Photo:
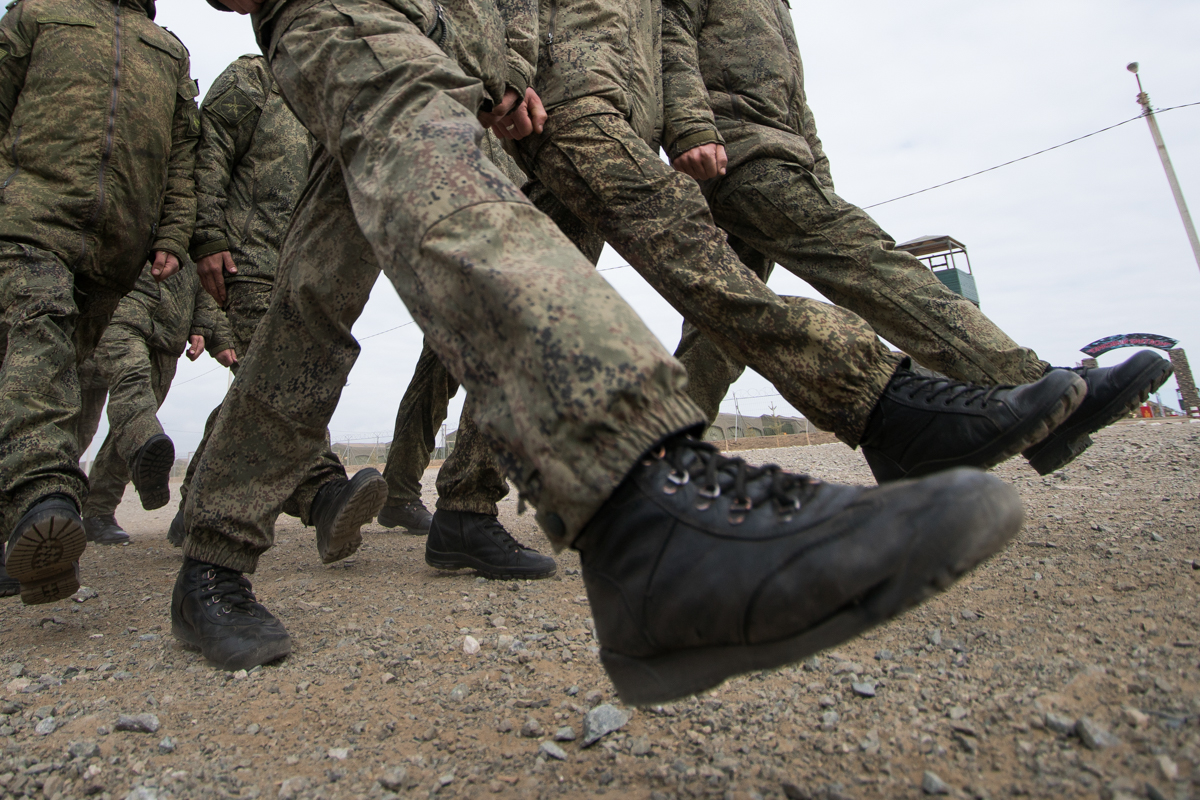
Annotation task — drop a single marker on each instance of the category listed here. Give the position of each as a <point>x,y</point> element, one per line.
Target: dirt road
<point>1069,666</point>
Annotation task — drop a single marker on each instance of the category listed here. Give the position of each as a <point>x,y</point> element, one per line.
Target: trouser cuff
<point>222,552</point>
<point>28,495</point>
<point>468,506</point>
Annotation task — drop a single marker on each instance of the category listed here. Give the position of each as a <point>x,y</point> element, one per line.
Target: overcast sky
<point>1066,248</point>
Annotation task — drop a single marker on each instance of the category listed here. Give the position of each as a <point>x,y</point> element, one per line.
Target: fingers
<point>211,270</point>
<point>165,265</point>
<point>227,358</point>
<point>227,259</point>
<point>195,348</point>
<point>537,111</point>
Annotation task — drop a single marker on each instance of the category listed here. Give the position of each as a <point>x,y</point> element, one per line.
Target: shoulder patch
<point>233,106</point>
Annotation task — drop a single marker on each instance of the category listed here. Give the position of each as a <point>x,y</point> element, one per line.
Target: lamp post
<point>1144,101</point>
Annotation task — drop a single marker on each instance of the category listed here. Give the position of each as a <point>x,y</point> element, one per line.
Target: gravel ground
<point>1069,666</point>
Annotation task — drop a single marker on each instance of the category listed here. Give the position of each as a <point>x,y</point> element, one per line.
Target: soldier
<point>251,167</point>
<point>98,127</point>
<point>737,120</point>
<point>698,567</point>
<point>136,359</point>
<point>465,532</point>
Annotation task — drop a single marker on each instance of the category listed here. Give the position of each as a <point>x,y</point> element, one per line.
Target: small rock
<point>932,784</point>
<point>46,727</point>
<point>446,779</point>
<point>394,779</point>
<point>240,675</point>
<point>253,728</point>
<point>812,664</point>
<point>292,788</point>
<point>1168,768</point>
<point>1061,725</point>
<point>142,793</point>
<point>863,689</point>
<point>387,678</point>
<point>885,655</point>
<point>593,697</point>
<point>505,725</point>
<point>829,720</point>
<point>1134,717</point>
<point>497,621</point>
<point>138,723</point>
<point>934,637</point>
<point>969,615</point>
<point>572,691</point>
<point>16,670</point>
<point>1154,537</point>
<point>1094,736</point>
<point>84,749</point>
<point>83,594</point>
<point>551,750</point>
<point>956,713</point>
<point>794,791</point>
<point>826,701</point>
<point>565,734</point>
<point>531,729</point>
<point>470,645</point>
<point>601,721</point>
<point>167,745</point>
<point>459,693</point>
<point>640,746</point>
<point>339,753</point>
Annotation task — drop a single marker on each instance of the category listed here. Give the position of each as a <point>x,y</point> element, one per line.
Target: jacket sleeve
<point>521,32</point>
<point>224,140</point>
<point>210,322</point>
<point>688,120</point>
<point>820,160</point>
<point>17,34</point>
<point>179,200</point>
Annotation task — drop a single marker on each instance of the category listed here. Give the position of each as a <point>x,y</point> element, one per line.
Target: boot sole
<point>246,659</point>
<point>152,473</point>
<point>45,559</point>
<point>973,523</point>
<point>1062,447</point>
<point>1035,429</point>
<point>346,535</point>
<point>451,561</point>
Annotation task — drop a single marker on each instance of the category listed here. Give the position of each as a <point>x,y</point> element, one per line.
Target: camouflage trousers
<point>138,378</point>
<point>247,304</point>
<point>825,360</point>
<point>49,323</point>
<point>780,210</point>
<point>570,386</point>
<point>470,479</point>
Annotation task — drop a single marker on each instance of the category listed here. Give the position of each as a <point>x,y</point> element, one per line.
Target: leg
<point>93,393</point>
<point>470,480</point>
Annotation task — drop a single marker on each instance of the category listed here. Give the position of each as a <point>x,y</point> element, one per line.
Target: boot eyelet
<point>741,504</point>
<point>711,492</point>
<point>678,478</point>
<point>737,519</point>
<point>704,505</point>
<point>670,488</point>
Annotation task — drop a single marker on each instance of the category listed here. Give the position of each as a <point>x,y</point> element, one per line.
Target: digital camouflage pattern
<point>570,385</point>
<point>98,130</point>
<point>135,361</point>
<point>732,72</point>
<point>251,167</point>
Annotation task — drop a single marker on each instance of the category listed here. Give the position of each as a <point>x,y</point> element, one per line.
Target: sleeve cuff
<point>218,245</point>
<point>693,140</point>
<point>517,79</point>
<point>171,246</point>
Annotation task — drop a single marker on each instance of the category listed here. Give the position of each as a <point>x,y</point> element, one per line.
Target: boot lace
<point>502,537</point>
<point>935,386</point>
<point>228,589</point>
<point>719,474</point>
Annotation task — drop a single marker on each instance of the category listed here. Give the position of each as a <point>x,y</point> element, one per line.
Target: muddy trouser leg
<point>48,324</point>
<point>781,210</point>
<point>570,385</point>
<point>421,414</point>
<point>824,360</point>
<point>109,474</point>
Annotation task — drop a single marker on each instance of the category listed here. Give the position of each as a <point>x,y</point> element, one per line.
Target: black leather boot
<point>926,422</point>
<point>341,508</point>
<point>213,610</point>
<point>413,517</point>
<point>178,530</point>
<point>462,540</point>
<point>104,530</point>
<point>151,471</point>
<point>9,586</point>
<point>700,567</point>
<point>1112,392</point>
<point>44,549</point>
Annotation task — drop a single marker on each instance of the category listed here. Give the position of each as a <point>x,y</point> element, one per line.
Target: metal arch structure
<point>1102,346</point>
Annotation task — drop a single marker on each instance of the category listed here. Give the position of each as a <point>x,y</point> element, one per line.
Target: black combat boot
<point>104,530</point>
<point>926,422</point>
<point>413,517</point>
<point>9,586</point>
<point>44,549</point>
<point>341,508</point>
<point>462,540</point>
<point>700,567</point>
<point>214,611</point>
<point>1112,392</point>
<point>178,530</point>
<point>151,471</point>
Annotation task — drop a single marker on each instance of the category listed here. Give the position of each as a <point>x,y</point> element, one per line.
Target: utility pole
<point>737,415</point>
<point>1144,101</point>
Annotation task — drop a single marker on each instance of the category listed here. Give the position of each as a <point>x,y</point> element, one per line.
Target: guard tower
<point>947,258</point>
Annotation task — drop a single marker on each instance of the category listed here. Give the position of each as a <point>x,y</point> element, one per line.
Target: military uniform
<point>733,75</point>
<point>98,127</point>
<point>251,166</point>
<point>570,385</point>
<point>136,360</point>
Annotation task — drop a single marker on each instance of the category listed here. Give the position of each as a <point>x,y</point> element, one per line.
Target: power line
<point>389,330</point>
<point>198,377</point>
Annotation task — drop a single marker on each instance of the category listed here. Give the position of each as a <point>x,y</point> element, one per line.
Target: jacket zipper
<point>16,163</point>
<point>550,32</point>
<point>109,131</point>
<point>437,32</point>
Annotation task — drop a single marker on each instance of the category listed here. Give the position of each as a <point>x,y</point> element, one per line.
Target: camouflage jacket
<point>469,31</point>
<point>250,169</point>
<point>167,313</point>
<point>595,55</point>
<point>732,73</point>
<point>98,131</point>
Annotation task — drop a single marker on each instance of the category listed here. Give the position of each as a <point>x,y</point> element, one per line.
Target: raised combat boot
<point>151,471</point>
<point>341,508</point>
<point>44,548</point>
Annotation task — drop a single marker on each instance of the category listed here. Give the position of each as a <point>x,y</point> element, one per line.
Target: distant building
<point>740,426</point>
<point>947,258</point>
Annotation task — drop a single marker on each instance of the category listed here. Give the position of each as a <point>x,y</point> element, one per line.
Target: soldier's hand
<point>195,347</point>
<point>704,162</point>
<point>226,358</point>
<point>243,6</point>
<point>529,116</point>
<point>211,270</point>
<point>165,265</point>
